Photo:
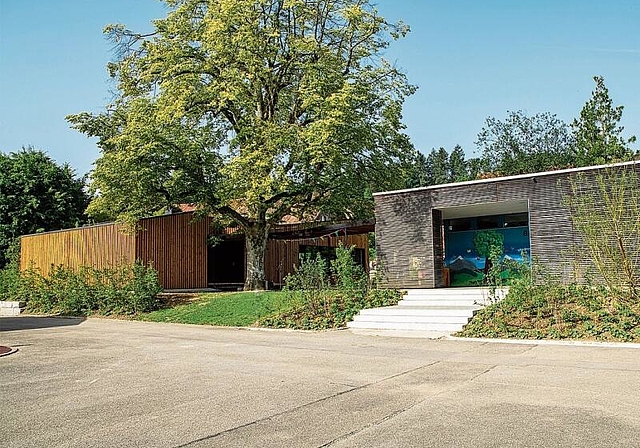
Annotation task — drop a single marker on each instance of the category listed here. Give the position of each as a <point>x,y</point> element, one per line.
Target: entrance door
<point>226,262</point>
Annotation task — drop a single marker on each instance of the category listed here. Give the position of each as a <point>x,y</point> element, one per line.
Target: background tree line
<point>522,144</point>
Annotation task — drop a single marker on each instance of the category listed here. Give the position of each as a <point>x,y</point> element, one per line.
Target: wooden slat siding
<point>404,239</point>
<point>282,255</point>
<point>176,246</point>
<point>404,226</point>
<point>98,246</point>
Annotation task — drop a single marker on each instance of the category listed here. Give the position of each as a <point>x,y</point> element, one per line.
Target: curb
<point>572,342</point>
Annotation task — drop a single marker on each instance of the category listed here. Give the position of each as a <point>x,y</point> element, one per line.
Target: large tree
<point>598,133</point>
<point>525,144</point>
<point>37,194</point>
<point>252,109</point>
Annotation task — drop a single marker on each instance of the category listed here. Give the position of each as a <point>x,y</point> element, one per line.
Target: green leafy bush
<point>559,311</point>
<point>328,300</point>
<point>121,289</point>
<point>335,309</point>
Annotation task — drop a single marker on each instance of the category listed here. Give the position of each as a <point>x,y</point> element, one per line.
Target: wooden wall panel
<point>283,255</point>
<point>404,239</point>
<point>98,246</point>
<point>176,246</point>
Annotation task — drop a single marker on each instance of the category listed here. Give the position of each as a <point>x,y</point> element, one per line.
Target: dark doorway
<point>226,263</point>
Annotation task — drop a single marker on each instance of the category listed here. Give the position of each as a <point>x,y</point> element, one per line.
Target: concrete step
<point>457,293</point>
<point>402,326</point>
<point>440,311</point>
<point>421,311</point>
<point>440,303</point>
<point>390,318</point>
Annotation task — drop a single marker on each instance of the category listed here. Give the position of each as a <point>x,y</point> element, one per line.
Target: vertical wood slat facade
<point>98,246</point>
<point>283,255</point>
<point>408,222</point>
<point>176,246</point>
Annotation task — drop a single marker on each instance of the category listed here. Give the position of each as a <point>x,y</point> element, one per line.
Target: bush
<point>328,299</point>
<point>121,289</point>
<point>10,273</point>
<point>557,311</point>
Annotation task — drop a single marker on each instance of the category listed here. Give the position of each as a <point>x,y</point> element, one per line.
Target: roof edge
<point>506,178</point>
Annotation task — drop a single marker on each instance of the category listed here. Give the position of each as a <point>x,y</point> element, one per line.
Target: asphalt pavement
<point>109,383</point>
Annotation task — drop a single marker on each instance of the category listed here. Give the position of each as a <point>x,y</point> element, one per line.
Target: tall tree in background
<point>36,194</point>
<point>597,133</point>
<point>522,144</point>
<point>439,167</point>
<point>458,165</point>
<point>417,171</point>
<point>252,109</point>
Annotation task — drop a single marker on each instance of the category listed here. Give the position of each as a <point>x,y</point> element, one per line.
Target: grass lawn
<point>233,309</point>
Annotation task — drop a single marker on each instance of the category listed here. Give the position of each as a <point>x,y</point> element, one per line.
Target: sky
<point>469,59</point>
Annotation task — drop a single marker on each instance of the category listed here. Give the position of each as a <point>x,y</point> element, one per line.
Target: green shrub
<point>347,274</point>
<point>557,311</point>
<point>10,273</point>
<point>121,289</point>
<point>324,300</point>
<point>335,309</point>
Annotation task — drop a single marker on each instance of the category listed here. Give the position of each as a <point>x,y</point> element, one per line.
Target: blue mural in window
<point>465,265</point>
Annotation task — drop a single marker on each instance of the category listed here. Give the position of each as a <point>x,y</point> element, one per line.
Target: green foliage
<point>522,144</point>
<point>458,166</point>
<point>598,133</point>
<point>36,195</point>
<point>328,300</point>
<point>439,167</point>
<point>557,311</point>
<point>488,243</point>
<point>230,309</point>
<point>10,273</point>
<point>253,110</point>
<point>607,217</point>
<point>309,275</point>
<point>334,309</point>
<point>308,281</point>
<point>348,275</point>
<point>122,289</point>
<point>373,252</point>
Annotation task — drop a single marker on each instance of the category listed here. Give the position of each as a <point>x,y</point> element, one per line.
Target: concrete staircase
<point>439,311</point>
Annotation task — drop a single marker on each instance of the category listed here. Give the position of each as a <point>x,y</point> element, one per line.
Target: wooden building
<point>181,250</point>
<point>424,236</point>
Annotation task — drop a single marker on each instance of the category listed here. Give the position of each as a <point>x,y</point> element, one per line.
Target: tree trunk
<point>255,248</point>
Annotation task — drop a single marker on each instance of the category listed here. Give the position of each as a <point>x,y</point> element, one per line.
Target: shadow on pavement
<point>33,322</point>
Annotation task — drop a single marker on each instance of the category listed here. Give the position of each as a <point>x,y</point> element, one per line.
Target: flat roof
<point>506,178</point>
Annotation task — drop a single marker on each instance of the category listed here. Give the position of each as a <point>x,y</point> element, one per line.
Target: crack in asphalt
<point>403,410</point>
<point>302,406</point>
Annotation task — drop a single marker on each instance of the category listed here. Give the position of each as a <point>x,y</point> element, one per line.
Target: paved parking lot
<point>101,383</point>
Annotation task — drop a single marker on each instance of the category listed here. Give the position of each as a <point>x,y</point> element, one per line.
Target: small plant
<point>348,275</point>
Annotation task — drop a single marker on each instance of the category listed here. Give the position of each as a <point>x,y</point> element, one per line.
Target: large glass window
<point>516,220</point>
<point>460,225</point>
<point>489,222</point>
